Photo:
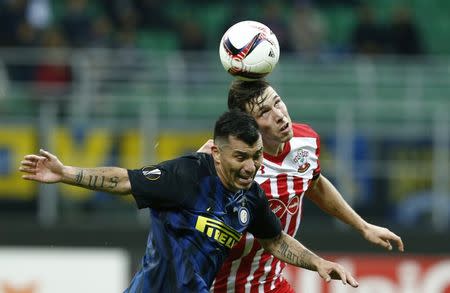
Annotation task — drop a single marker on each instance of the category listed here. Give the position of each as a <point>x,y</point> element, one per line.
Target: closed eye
<point>262,112</point>
<point>240,158</point>
<point>277,101</point>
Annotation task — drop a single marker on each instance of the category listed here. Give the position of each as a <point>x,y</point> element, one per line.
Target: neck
<point>273,149</point>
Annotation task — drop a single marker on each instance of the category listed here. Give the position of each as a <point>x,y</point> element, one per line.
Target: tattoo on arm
<point>114,181</point>
<point>79,177</point>
<point>93,181</point>
<point>99,182</point>
<point>96,181</point>
<point>301,258</point>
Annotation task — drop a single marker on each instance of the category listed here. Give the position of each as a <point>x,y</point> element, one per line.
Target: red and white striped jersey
<point>284,178</point>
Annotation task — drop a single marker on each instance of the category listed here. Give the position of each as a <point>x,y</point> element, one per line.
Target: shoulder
<point>202,162</point>
<point>193,161</point>
<point>194,158</point>
<point>304,130</point>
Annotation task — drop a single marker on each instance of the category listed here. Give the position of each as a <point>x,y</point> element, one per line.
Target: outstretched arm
<point>328,198</point>
<point>289,250</point>
<point>47,168</point>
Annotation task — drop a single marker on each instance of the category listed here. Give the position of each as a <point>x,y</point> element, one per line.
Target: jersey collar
<point>278,159</point>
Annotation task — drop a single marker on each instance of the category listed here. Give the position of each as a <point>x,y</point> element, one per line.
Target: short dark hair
<point>244,92</point>
<point>238,124</point>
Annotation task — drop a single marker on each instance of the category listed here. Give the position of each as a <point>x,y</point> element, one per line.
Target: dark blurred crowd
<point>299,25</point>
<point>307,31</point>
<point>74,23</point>
<point>400,36</point>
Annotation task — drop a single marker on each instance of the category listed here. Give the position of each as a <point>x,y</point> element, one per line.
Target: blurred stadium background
<point>130,83</point>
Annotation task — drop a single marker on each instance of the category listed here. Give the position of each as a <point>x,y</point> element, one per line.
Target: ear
<point>215,152</point>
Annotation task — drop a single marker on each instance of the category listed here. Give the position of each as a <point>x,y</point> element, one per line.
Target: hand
<point>206,148</point>
<point>44,167</point>
<point>382,236</point>
<point>329,270</point>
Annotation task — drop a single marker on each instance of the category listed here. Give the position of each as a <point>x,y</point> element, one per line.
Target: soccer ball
<point>249,50</point>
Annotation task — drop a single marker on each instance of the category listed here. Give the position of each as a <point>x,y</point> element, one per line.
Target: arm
<point>327,197</point>
<point>291,251</point>
<point>47,168</point>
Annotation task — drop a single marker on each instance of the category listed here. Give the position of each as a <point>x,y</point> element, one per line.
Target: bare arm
<point>327,197</point>
<point>291,251</point>
<point>110,179</point>
<point>47,168</point>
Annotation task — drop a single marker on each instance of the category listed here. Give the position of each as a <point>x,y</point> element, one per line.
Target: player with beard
<point>200,205</point>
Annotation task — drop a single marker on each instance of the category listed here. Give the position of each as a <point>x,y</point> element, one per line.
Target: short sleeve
<point>317,171</point>
<point>165,185</point>
<point>265,223</point>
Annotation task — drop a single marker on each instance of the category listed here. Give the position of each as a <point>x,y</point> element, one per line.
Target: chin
<point>246,186</point>
<point>287,137</point>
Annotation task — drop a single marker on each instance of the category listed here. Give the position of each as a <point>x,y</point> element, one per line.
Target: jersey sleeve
<point>165,185</point>
<point>265,223</point>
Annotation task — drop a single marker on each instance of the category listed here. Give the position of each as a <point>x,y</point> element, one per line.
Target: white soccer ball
<point>249,50</point>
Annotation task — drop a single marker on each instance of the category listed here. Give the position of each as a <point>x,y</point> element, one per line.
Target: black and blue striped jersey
<point>194,221</point>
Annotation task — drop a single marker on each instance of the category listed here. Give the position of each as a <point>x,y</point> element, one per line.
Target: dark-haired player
<point>200,205</point>
<point>289,172</point>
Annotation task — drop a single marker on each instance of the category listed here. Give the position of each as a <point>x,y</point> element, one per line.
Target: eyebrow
<point>262,108</point>
<point>237,151</point>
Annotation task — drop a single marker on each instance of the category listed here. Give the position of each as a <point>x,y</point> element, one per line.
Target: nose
<point>249,167</point>
<point>278,115</point>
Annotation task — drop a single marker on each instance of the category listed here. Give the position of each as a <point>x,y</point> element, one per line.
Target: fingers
<point>325,276</point>
<point>28,177</point>
<point>45,154</point>
<point>399,242</point>
<point>32,158</point>
<point>26,169</point>
<point>347,278</point>
<point>390,236</point>
<point>386,244</point>
<point>352,281</point>
<point>339,273</point>
<point>343,275</point>
<point>30,164</point>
